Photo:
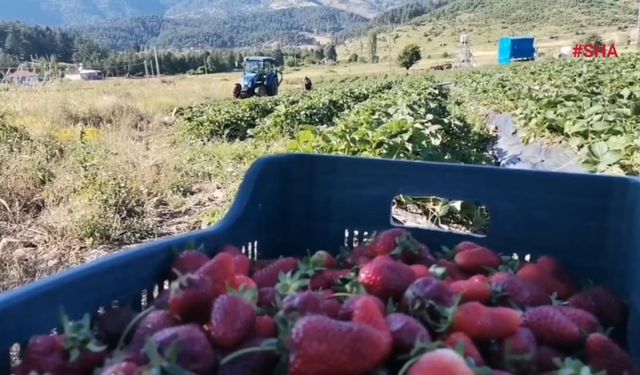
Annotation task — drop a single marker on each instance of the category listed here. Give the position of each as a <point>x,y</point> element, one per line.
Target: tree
<point>409,56</point>
<point>353,57</point>
<point>373,45</point>
<point>330,52</point>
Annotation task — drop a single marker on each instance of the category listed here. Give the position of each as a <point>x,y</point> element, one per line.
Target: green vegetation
<point>591,106</point>
<point>409,55</point>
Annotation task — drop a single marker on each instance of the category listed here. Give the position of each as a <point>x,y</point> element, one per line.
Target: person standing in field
<point>307,84</point>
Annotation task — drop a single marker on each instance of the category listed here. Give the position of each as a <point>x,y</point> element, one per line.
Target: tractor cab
<point>261,78</point>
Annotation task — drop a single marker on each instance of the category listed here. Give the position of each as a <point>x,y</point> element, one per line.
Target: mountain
<point>74,12</point>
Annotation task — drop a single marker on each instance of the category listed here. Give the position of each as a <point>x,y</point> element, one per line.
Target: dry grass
<point>86,168</point>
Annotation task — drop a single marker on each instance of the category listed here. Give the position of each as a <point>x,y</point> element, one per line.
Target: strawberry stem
<point>268,346</point>
<point>130,326</point>
<point>408,365</point>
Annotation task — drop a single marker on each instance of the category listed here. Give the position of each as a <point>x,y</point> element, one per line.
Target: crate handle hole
<point>441,214</point>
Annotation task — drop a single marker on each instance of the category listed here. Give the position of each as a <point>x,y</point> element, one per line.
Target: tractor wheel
<point>261,91</point>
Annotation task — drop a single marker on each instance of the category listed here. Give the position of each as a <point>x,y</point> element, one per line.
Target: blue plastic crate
<point>290,203</point>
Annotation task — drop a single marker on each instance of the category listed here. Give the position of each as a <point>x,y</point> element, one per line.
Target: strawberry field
<point>593,107</point>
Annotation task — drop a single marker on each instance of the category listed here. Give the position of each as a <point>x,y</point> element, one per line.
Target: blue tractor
<point>261,78</point>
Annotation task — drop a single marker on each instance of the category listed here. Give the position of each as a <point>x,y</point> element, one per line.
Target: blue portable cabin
<point>516,49</point>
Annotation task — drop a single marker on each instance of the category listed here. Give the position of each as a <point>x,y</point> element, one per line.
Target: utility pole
<point>151,65</point>
<point>157,64</point>
<point>146,69</point>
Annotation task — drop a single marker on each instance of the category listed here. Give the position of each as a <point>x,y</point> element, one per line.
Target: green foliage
<point>590,106</point>
<point>409,55</point>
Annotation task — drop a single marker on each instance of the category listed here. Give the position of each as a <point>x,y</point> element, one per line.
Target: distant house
<point>22,77</point>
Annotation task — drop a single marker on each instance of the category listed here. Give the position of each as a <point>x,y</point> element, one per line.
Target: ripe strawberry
<point>385,242</point>
<point>187,262</point>
<point>232,320</point>
<point>221,271</point>
<point>602,303</point>
<point>331,308</point>
<point>46,354</point>
<point>551,275</point>
<point>346,311</point>
<point>156,321</point>
<point>457,339</point>
<point>266,326</point>
<point>267,297</point>
<point>122,368</point>
<point>257,363</point>
<point>476,259</point>
<point>320,345</point>
<point>425,299</point>
<point>191,298</point>
<point>475,289</point>
<point>194,352</point>
<point>551,327</point>
<point>241,261</point>
<point>583,319</point>
<point>327,279</point>
<point>302,304</point>
<point>268,276</point>
<point>385,278</point>
<point>420,270</point>
<point>545,359</point>
<point>517,351</point>
<point>453,271</point>
<point>406,332</point>
<point>523,293</point>
<point>324,259</point>
<point>605,354</point>
<point>241,280</point>
<point>112,324</point>
<point>484,323</point>
<point>441,362</point>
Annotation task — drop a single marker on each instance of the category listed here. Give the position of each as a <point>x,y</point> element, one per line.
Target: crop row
<point>591,106</point>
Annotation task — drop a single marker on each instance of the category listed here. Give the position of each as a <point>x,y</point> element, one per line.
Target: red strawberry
<point>302,304</point>
<point>583,319</point>
<point>549,273</point>
<point>257,363</point>
<point>221,271</point>
<point>320,345</point>
<point>602,303</point>
<point>331,308</point>
<point>122,368</point>
<point>406,332</point>
<point>475,289</point>
<point>484,323</point>
<point>603,354</point>
<point>324,259</point>
<point>112,324</point>
<point>441,362</point>
<point>232,320</point>
<point>188,262</point>
<point>453,271</point>
<point>457,339</point>
<point>518,350</point>
<point>420,270</point>
<point>545,359</point>
<point>46,354</point>
<point>268,276</point>
<point>191,298</point>
<point>266,326</point>
<point>241,280</point>
<point>156,321</point>
<point>346,311</point>
<point>425,298</point>
<point>327,279</point>
<point>194,352</point>
<point>476,259</point>
<point>551,327</point>
<point>385,278</point>
<point>267,297</point>
<point>522,292</point>
<point>385,242</point>
<point>241,261</point>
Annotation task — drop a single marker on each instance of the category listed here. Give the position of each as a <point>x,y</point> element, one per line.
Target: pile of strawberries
<point>390,306</point>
